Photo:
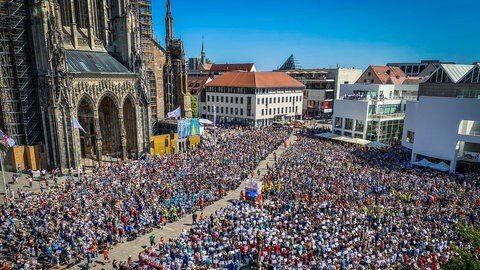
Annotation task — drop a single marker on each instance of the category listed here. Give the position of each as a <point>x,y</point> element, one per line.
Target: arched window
<point>81,13</point>
<point>99,10</point>
<point>65,12</point>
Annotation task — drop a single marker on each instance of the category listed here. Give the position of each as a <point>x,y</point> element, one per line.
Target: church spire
<point>168,26</point>
<point>203,59</point>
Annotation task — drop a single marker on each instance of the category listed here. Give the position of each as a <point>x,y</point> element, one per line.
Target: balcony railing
<point>471,133</point>
<point>388,115</point>
<point>381,98</point>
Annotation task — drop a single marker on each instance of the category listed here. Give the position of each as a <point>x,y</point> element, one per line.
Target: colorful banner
<point>182,128</point>
<point>7,139</point>
<point>194,127</point>
<point>188,127</point>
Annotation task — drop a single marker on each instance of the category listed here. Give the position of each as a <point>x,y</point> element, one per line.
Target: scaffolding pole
<point>19,103</point>
<point>146,36</point>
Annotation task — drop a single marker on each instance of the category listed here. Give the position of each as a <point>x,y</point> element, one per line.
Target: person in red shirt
<point>106,254</point>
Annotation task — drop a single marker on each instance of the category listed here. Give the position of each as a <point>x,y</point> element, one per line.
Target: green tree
<point>194,105</point>
<point>466,259</point>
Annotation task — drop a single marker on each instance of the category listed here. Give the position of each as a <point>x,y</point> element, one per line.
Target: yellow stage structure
<point>166,144</point>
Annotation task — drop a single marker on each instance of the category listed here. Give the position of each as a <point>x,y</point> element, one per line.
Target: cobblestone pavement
<point>121,251</point>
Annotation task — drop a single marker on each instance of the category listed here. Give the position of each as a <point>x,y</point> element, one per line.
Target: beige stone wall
<point>158,62</point>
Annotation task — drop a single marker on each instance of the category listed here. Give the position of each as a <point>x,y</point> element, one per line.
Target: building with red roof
<point>382,75</point>
<point>252,98</point>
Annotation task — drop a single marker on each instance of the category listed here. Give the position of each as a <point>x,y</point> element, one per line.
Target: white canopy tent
<point>377,144</point>
<point>423,163</point>
<point>205,122</point>
<point>329,135</point>
<point>441,166</point>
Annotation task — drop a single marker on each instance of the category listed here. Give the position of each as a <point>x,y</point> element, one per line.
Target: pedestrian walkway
<point>122,251</point>
<point>22,183</point>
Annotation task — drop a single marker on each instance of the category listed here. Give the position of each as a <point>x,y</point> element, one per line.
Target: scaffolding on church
<point>18,100</point>
<point>146,36</point>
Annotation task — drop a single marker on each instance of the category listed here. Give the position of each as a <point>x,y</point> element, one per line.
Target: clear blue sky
<point>325,33</point>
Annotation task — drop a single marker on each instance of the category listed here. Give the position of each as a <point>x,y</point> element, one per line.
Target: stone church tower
<point>89,66</point>
<point>175,73</point>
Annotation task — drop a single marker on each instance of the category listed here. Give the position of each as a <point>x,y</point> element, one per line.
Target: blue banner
<point>194,126</point>
<point>188,127</point>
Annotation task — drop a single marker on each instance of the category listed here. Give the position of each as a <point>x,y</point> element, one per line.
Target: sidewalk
<point>120,252</point>
<point>22,183</point>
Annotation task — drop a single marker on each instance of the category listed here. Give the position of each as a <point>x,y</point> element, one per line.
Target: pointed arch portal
<point>109,127</point>
<point>130,123</point>
<point>87,138</point>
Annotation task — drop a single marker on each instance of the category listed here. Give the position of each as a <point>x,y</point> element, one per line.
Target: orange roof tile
<point>256,80</point>
<point>385,73</point>
<point>232,67</point>
<point>196,84</point>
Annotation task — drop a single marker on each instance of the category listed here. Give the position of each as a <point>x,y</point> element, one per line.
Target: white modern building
<point>345,76</point>
<point>373,112</point>
<point>252,98</point>
<point>444,123</point>
<point>321,85</point>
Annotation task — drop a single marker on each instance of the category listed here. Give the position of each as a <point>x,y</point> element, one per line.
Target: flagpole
<point>74,140</point>
<point>3,153</point>
<point>3,174</point>
<point>214,124</point>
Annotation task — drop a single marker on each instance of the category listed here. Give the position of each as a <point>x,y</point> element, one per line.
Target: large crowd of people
<point>84,217</point>
<point>331,205</point>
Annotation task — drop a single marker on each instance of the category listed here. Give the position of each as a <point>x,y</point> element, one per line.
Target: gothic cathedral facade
<point>90,70</point>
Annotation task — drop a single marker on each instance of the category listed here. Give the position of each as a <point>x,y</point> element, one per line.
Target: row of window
<point>468,93</point>
<point>388,132</point>
<point>349,124</point>
<point>251,91</point>
<point>279,99</point>
<point>275,111</point>
<point>231,90</point>
<point>224,110</point>
<point>387,109</point>
<point>271,100</point>
<point>225,99</point>
<point>348,134</point>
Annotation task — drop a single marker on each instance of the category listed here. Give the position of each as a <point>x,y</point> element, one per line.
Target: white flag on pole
<point>76,124</point>
<point>175,113</point>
